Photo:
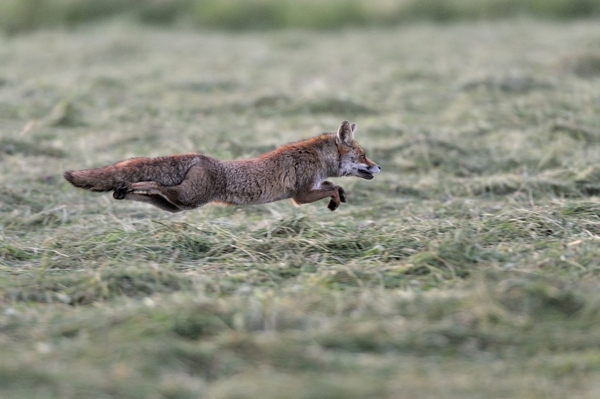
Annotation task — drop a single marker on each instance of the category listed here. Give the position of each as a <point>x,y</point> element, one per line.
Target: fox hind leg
<point>191,193</point>
<point>155,200</point>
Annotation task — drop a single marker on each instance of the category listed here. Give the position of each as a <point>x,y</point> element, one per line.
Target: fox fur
<point>181,182</point>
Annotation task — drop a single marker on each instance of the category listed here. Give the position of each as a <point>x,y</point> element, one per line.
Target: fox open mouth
<point>365,174</point>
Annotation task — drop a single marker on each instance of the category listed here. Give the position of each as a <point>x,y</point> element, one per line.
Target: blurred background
<point>24,15</point>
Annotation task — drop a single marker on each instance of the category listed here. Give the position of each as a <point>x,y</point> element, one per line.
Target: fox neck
<point>339,150</point>
<point>326,147</point>
<point>332,158</point>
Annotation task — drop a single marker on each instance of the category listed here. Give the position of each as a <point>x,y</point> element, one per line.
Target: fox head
<point>353,161</point>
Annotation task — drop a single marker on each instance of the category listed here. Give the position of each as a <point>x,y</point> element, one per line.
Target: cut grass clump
<point>561,183</point>
<point>589,210</point>
<point>527,226</point>
<point>538,299</point>
<point>429,153</point>
<point>287,227</point>
<point>84,288</point>
<point>454,257</point>
<point>199,323</point>
<point>578,132</point>
<point>9,252</point>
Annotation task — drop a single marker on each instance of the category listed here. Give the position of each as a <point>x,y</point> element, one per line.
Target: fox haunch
<point>180,182</point>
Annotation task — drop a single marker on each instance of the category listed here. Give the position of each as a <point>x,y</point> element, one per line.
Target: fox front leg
<point>327,189</point>
<point>334,203</point>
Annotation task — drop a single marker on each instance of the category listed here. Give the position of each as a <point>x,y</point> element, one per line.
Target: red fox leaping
<point>179,182</point>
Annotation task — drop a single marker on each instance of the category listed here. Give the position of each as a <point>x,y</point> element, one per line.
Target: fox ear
<point>346,132</point>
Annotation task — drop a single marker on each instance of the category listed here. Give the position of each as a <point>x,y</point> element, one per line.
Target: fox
<point>296,171</point>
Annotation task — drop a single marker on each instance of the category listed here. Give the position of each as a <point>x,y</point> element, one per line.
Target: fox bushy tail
<point>168,171</point>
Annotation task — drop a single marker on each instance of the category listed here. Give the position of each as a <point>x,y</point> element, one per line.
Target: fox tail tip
<point>82,179</point>
<point>68,175</point>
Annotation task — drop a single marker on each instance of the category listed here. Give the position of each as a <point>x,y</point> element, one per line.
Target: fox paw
<point>119,193</point>
<point>332,206</point>
<point>342,194</point>
<point>335,201</point>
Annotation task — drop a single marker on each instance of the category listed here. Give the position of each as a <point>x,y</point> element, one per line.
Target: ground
<point>468,268</point>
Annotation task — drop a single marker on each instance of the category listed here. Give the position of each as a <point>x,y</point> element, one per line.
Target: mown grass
<point>468,268</point>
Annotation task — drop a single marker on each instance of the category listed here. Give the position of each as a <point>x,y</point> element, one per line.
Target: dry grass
<point>467,268</point>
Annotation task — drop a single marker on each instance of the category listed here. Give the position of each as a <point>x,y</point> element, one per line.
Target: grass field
<point>469,268</point>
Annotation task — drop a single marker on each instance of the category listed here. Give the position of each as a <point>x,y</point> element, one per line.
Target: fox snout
<point>370,171</point>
